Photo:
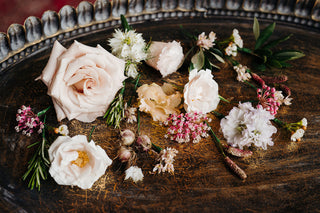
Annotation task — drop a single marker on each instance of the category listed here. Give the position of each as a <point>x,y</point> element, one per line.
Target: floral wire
<point>138,121</point>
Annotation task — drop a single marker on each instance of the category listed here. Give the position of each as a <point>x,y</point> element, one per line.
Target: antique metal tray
<point>283,178</point>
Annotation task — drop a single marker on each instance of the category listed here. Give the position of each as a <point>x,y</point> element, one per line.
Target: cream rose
<point>82,80</point>
<point>76,162</point>
<point>165,57</point>
<point>201,92</point>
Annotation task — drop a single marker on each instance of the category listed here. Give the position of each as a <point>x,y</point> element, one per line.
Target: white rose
<point>76,162</point>
<point>201,92</point>
<point>165,57</point>
<point>82,80</point>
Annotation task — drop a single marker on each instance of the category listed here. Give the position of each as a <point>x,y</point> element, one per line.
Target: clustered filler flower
<point>187,127</point>
<point>166,159</point>
<point>28,121</point>
<point>246,126</point>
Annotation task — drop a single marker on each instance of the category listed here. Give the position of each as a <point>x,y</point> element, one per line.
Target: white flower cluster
<point>206,42</point>
<point>237,41</point>
<point>242,74</point>
<point>135,173</point>
<point>129,46</point>
<point>166,159</point>
<point>246,125</point>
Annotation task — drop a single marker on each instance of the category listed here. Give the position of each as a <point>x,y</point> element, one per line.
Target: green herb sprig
<point>263,49</point>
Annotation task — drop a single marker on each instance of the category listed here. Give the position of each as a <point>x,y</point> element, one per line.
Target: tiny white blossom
<point>241,70</point>
<point>237,38</point>
<point>205,42</point>
<point>296,136</point>
<point>132,70</point>
<point>304,122</point>
<point>63,130</point>
<point>135,173</point>
<point>231,50</point>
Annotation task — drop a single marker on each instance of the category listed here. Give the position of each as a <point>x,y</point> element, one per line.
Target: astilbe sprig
<point>188,127</point>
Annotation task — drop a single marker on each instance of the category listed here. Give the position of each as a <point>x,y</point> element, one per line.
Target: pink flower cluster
<point>28,122</point>
<point>187,127</point>
<point>267,99</point>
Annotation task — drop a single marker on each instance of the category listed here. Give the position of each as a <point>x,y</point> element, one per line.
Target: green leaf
<point>264,52</point>
<point>43,111</point>
<point>264,35</point>
<point>245,50</point>
<point>274,43</point>
<point>219,58</point>
<point>256,28</point>
<point>284,64</point>
<point>198,60</point>
<point>216,51</point>
<point>274,63</point>
<point>124,23</point>
<point>260,67</point>
<point>286,55</point>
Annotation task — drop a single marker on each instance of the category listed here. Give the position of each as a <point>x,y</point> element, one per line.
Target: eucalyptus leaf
<point>256,28</point>
<point>264,35</point>
<point>198,60</point>
<point>216,51</point>
<point>286,55</point>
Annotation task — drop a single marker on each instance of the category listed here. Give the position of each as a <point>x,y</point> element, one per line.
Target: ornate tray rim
<point>36,34</point>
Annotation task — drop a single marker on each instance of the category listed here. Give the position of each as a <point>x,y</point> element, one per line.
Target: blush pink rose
<point>82,80</point>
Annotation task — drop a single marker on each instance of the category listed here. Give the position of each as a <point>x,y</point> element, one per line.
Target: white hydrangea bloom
<point>135,173</point>
<point>128,45</point>
<point>246,125</point>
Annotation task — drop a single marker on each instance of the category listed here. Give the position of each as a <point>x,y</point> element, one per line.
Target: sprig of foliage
<point>38,165</point>
<point>263,49</point>
<point>115,112</point>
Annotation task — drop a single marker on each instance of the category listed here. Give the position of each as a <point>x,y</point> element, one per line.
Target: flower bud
<point>125,154</point>
<point>144,142</point>
<point>127,137</point>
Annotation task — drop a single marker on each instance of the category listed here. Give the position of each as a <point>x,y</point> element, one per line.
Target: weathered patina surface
<point>283,178</point>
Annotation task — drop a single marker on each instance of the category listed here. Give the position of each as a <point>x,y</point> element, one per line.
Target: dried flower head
<point>166,159</point>
<point>130,114</point>
<point>127,137</point>
<point>144,142</point>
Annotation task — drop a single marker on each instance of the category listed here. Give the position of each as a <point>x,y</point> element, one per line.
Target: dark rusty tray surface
<point>283,178</point>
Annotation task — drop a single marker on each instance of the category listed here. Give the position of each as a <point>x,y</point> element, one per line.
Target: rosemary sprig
<point>115,112</point>
<point>38,165</point>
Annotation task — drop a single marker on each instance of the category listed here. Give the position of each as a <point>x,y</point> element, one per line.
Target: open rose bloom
<point>160,102</point>
<point>165,57</point>
<point>76,162</point>
<point>201,92</point>
<point>82,80</point>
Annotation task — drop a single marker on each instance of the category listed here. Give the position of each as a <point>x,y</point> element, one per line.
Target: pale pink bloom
<point>167,57</point>
<point>205,42</point>
<point>82,80</point>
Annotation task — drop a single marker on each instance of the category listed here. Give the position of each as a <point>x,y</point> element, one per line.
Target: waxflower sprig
<point>263,49</point>
<point>28,123</point>
<point>296,129</point>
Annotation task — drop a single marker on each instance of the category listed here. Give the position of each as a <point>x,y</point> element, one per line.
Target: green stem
<point>217,141</point>
<point>278,122</point>
<point>223,99</point>
<point>156,148</point>
<point>90,135</point>
<point>251,85</point>
<point>218,115</point>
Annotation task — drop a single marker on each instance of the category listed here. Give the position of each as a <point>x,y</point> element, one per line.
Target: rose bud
<point>144,142</point>
<point>126,154</point>
<point>165,57</point>
<point>127,137</point>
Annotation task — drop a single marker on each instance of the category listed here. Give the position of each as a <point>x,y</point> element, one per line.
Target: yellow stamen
<point>82,159</point>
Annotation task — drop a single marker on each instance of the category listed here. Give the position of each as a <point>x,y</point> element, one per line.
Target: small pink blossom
<point>268,100</point>
<point>28,121</point>
<point>205,42</point>
<point>187,127</point>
